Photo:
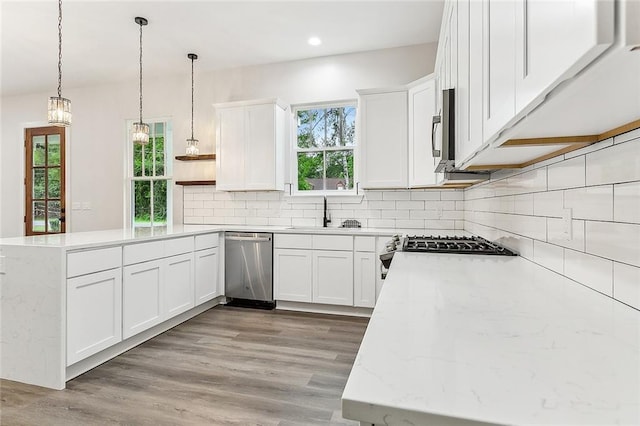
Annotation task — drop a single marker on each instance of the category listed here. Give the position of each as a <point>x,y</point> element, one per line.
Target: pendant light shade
<point>140,130</point>
<point>59,108</point>
<point>192,143</point>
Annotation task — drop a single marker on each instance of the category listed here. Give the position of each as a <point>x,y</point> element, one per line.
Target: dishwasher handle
<point>252,239</point>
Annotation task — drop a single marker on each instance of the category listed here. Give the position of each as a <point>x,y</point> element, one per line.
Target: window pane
<point>39,150</point>
<point>159,151</point>
<point>38,224</point>
<point>159,129</point>
<point>310,171</point>
<point>304,129</point>
<point>53,216</point>
<point>53,150</point>
<point>349,126</point>
<point>339,170</point>
<point>137,160</point>
<point>147,151</point>
<point>141,203</point>
<point>160,202</point>
<point>38,183</point>
<point>53,185</point>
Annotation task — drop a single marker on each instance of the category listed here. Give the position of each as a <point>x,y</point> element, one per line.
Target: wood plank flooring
<point>227,366</point>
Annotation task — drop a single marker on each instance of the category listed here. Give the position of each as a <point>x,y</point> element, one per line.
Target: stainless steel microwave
<point>446,119</point>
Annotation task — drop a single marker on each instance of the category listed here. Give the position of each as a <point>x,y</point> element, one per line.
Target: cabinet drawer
<point>292,241</point>
<point>332,242</point>
<point>86,262</point>
<point>136,253</point>
<point>177,246</point>
<point>365,244</point>
<point>207,241</point>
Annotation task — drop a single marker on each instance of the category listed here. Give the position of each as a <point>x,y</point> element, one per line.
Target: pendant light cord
<point>59,48</point>
<point>192,58</point>
<point>140,72</point>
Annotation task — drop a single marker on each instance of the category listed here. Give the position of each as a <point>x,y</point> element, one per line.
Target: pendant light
<point>59,108</point>
<point>192,144</point>
<point>140,130</point>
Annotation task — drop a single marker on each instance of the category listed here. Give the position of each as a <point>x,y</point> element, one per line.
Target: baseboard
<point>324,309</point>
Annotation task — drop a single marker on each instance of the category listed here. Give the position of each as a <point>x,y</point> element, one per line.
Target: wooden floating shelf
<point>195,182</point>
<point>196,158</point>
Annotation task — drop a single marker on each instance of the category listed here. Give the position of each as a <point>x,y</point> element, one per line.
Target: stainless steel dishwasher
<point>249,269</point>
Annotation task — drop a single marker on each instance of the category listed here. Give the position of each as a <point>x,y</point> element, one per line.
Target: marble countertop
<point>81,240</point>
<point>460,339</point>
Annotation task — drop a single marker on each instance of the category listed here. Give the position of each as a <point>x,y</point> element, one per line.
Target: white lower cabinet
<point>94,313</point>
<point>333,277</point>
<point>364,279</point>
<point>179,284</point>
<point>293,275</point>
<point>207,283</point>
<point>142,297</point>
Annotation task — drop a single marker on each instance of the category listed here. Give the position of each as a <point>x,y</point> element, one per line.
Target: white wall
<point>97,141</point>
<point>601,185</point>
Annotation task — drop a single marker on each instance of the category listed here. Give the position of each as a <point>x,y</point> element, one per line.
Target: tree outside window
<point>325,148</point>
<point>150,182</point>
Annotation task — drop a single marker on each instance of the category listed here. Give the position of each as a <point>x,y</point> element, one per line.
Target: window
<point>150,179</point>
<point>325,147</point>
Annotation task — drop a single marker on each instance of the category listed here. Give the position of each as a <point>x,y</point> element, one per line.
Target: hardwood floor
<point>226,366</point>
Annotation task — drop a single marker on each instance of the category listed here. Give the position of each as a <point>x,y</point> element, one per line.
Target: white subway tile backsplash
<point>556,234</point>
<point>232,204</point>
<point>382,223</point>
<point>203,196</point>
<point>382,205</point>
<point>626,202</point>
<point>426,195</point>
<point>625,137</point>
<point>616,241</point>
<point>439,224</point>
<point>409,205</point>
<point>257,204</point>
<point>304,222</point>
<point>280,221</point>
<point>523,204</point>
<point>213,204</point>
<point>396,195</point>
<point>548,204</point>
<point>373,195</point>
<point>617,164</point>
<point>593,203</point>
<point>452,214</point>
<point>203,212</point>
<point>413,223</point>
<point>524,183</point>
<point>395,214</point>
<point>230,220</point>
<point>548,255</point>
<point>591,148</point>
<point>268,196</point>
<point>193,204</point>
<point>259,221</point>
<point>566,174</point>
<point>589,270</point>
<point>193,220</point>
<point>252,196</point>
<point>187,197</point>
<point>452,195</point>
<point>626,284</point>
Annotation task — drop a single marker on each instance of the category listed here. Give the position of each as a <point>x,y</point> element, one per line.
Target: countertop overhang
<point>472,339</point>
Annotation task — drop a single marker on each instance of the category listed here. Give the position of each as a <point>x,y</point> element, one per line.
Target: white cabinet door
<point>383,140</point>
<point>207,282</point>
<point>292,275</point>
<point>333,277</point>
<point>555,40</point>
<point>142,297</point>
<point>94,313</point>
<point>364,279</point>
<point>469,80</point>
<point>260,152</point>
<point>178,284</point>
<point>230,149</point>
<point>499,65</point>
<point>422,108</point>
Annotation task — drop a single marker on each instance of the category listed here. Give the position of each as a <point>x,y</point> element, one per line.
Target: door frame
<point>65,165</point>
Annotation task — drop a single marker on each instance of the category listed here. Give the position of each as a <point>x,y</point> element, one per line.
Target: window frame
<point>129,218</point>
<point>294,191</point>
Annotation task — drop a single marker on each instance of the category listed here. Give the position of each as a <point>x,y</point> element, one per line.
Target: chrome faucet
<point>326,219</point>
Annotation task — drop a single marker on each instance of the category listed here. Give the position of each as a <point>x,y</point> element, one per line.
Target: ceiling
<point>100,38</point>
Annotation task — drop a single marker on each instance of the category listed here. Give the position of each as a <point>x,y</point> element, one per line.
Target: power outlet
<point>567,224</point>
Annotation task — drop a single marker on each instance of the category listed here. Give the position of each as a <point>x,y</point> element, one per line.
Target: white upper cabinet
<point>382,139</point>
<point>469,121</point>
<point>556,39</point>
<point>499,64</point>
<point>251,139</point>
<point>422,107</point>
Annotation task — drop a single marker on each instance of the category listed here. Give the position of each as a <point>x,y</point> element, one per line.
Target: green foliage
<point>145,166</point>
<point>325,128</point>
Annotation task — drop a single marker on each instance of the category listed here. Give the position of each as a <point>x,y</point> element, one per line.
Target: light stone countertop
<point>92,239</point>
<point>459,339</point>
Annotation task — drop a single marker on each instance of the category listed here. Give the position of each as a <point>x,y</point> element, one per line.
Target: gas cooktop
<point>459,245</point>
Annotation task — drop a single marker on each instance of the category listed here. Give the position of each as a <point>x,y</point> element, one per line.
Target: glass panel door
<point>45,212</point>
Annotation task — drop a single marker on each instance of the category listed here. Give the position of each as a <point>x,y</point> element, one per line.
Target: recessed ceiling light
<point>314,41</point>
